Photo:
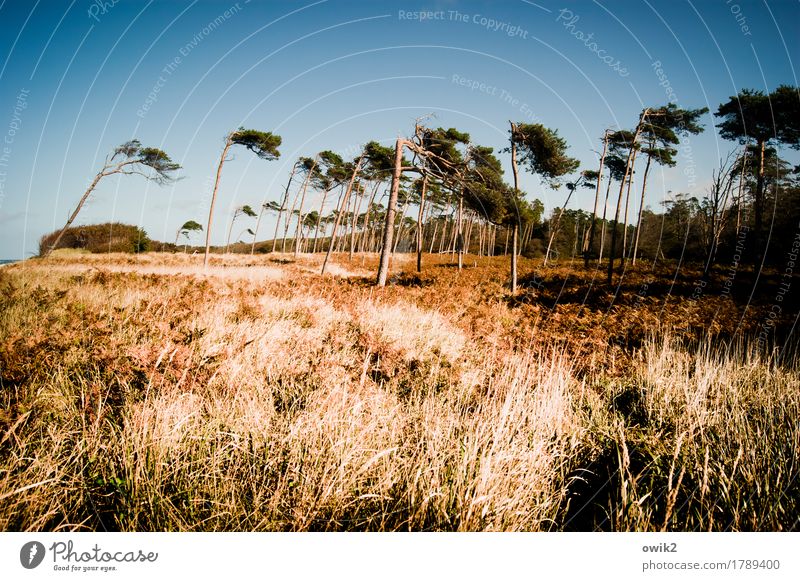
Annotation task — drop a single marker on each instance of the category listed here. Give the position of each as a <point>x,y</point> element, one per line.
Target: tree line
<point>437,191</point>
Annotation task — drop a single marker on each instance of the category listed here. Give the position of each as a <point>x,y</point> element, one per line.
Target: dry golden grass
<point>145,393</point>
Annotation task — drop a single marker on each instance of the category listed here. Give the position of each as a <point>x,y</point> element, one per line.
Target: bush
<point>109,237</point>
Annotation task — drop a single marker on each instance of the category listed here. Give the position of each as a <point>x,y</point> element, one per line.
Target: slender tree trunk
<point>628,168</point>
<point>468,240</point>
<point>516,224</point>
<point>554,229</point>
<point>228,144</point>
<point>759,204</point>
<point>460,240</point>
<point>739,195</point>
<point>74,214</point>
<point>298,229</point>
<point>420,223</point>
<point>400,226</point>
<point>366,238</point>
<point>230,231</point>
<point>433,237</point>
<point>289,218</point>
<point>641,209</point>
<point>361,197</point>
<point>319,220</point>
<point>604,223</point>
<point>587,249</point>
<point>284,203</point>
<point>514,236</point>
<point>627,204</point>
<point>445,222</point>
<point>505,248</point>
<point>388,232</point>
<point>344,204</point>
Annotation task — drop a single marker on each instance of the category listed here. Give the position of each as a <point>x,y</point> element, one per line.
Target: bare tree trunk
<point>739,195</point>
<point>628,168</point>
<point>588,246</point>
<point>505,249</point>
<point>554,229</point>
<point>470,224</point>
<point>255,232</point>
<point>420,223</point>
<point>284,203</point>
<point>298,229</point>
<point>344,204</point>
<point>627,203</point>
<point>460,241</point>
<point>442,242</point>
<point>360,197</point>
<point>759,204</point>
<point>230,231</point>
<point>365,238</point>
<point>74,214</point>
<point>480,239</point>
<point>288,220</point>
<point>400,226</point>
<point>228,144</point>
<point>603,229</point>
<point>319,220</point>
<point>433,237</point>
<point>388,232</point>
<point>641,210</point>
<point>516,225</point>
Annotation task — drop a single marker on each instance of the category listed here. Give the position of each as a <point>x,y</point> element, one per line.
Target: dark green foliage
<point>263,143</point>
<point>379,161</point>
<point>746,117</point>
<point>133,153</point>
<point>191,226</point>
<point>98,238</point>
<point>544,152</point>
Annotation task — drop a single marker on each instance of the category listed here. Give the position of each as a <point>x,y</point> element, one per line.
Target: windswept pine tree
<point>130,158</point>
<point>544,153</point>
<point>244,210</point>
<point>752,117</point>
<point>187,228</point>
<point>263,144</point>
<point>662,131</point>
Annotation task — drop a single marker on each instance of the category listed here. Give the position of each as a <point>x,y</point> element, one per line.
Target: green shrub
<point>97,238</point>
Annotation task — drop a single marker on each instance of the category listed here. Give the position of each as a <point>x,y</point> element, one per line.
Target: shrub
<point>109,237</point>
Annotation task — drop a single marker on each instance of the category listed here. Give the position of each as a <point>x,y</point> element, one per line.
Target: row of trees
<point>458,192</point>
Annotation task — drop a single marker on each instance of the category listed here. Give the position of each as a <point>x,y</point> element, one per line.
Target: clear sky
<point>78,77</point>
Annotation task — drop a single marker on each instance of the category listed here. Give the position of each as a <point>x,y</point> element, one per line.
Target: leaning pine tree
<point>130,158</point>
<point>263,144</point>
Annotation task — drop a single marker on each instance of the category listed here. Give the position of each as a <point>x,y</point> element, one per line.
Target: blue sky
<point>80,77</point>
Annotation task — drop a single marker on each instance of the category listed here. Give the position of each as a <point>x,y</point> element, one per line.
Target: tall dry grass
<point>150,395</point>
